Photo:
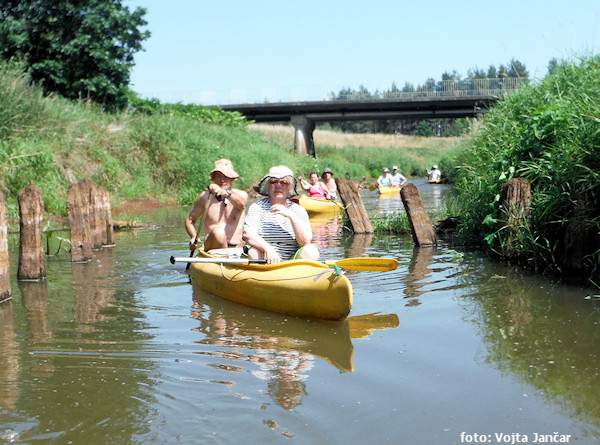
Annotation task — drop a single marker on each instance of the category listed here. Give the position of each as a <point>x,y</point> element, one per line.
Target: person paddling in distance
<point>398,180</point>
<point>277,229</point>
<point>434,174</point>
<point>385,180</point>
<point>316,188</point>
<point>222,209</point>
<point>327,178</point>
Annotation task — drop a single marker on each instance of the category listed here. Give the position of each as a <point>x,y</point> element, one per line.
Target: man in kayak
<point>385,180</point>
<point>434,174</point>
<point>276,228</point>
<point>398,180</point>
<point>222,209</point>
<point>315,188</point>
<point>327,178</point>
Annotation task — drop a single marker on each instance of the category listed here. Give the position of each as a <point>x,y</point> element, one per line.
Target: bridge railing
<point>450,88</point>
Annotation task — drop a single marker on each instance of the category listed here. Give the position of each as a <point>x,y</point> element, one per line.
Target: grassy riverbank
<point>165,156</point>
<point>550,135</point>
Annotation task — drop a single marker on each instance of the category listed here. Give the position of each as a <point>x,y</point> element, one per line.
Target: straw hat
<point>279,172</point>
<point>226,167</point>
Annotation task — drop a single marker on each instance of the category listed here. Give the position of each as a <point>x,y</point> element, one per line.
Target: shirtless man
<point>327,178</point>
<point>224,207</point>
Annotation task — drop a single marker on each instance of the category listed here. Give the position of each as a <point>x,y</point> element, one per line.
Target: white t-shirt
<point>277,230</point>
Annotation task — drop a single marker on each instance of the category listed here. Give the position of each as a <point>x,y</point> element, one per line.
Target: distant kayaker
<point>398,180</point>
<point>315,188</point>
<point>327,178</point>
<point>224,207</point>
<point>385,180</point>
<point>276,228</point>
<point>434,174</point>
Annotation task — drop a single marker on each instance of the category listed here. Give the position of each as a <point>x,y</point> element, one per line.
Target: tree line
<point>84,49</point>
<point>425,127</point>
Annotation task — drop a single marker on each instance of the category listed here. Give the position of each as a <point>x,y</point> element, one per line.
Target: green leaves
<point>76,49</point>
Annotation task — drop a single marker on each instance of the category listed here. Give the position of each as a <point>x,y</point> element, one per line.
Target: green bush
<point>549,134</point>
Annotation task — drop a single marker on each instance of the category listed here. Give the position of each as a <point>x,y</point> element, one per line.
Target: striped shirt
<point>277,230</point>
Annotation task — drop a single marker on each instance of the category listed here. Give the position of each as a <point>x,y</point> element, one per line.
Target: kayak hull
<point>296,287</point>
<point>314,205</point>
<point>389,190</point>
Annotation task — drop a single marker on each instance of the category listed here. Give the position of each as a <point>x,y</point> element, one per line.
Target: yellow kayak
<point>296,287</point>
<point>314,205</point>
<point>434,181</point>
<point>389,190</point>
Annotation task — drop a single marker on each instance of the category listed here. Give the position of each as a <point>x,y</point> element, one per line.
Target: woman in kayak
<point>275,227</point>
<point>316,188</point>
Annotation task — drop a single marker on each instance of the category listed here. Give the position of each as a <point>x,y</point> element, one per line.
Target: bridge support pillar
<point>303,140</point>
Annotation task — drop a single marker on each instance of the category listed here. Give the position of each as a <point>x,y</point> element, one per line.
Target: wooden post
<point>5,293</point>
<point>108,237</point>
<point>515,202</point>
<point>96,212</point>
<point>420,225</point>
<point>78,202</point>
<point>32,258</point>
<point>355,209</point>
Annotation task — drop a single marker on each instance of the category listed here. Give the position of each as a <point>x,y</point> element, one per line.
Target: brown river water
<point>449,348</point>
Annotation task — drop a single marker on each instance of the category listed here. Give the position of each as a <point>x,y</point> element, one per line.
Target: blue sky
<point>232,51</point>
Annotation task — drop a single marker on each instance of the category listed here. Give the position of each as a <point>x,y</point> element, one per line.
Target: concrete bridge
<point>450,99</point>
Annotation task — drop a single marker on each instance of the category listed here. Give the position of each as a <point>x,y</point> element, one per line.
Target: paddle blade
<point>372,188</point>
<point>365,263</point>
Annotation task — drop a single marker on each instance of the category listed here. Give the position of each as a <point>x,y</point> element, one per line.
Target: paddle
<point>214,260</point>
<point>200,229</point>
<point>365,263</point>
<point>372,188</point>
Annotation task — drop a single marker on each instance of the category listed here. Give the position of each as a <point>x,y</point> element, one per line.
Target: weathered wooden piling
<point>32,257</point>
<point>580,238</point>
<point>515,204</point>
<point>5,292</point>
<point>88,209</point>
<point>420,225</point>
<point>355,209</point>
<point>108,235</point>
<point>78,204</point>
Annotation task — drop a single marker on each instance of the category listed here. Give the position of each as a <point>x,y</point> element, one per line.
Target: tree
<point>77,48</point>
<point>517,69</point>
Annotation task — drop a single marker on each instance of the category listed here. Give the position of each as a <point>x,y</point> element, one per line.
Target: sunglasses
<point>279,181</point>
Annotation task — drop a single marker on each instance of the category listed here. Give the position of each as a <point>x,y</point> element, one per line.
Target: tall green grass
<point>549,134</point>
<point>158,151</point>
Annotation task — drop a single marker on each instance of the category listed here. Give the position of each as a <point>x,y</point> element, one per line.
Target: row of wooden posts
<point>88,210</point>
<point>421,228</point>
<point>90,222</point>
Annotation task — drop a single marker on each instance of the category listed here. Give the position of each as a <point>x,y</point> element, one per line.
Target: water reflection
<point>35,300</point>
<point>93,289</point>
<point>418,272</point>
<point>389,204</point>
<point>283,349</point>
<point>9,367</point>
<point>544,335</point>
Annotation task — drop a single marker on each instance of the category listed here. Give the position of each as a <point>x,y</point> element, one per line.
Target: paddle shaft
<point>216,260</point>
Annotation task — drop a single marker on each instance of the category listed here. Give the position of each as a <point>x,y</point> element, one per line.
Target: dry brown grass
<point>284,134</point>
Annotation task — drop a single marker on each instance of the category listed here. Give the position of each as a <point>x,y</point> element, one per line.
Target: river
<point>449,348</point>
